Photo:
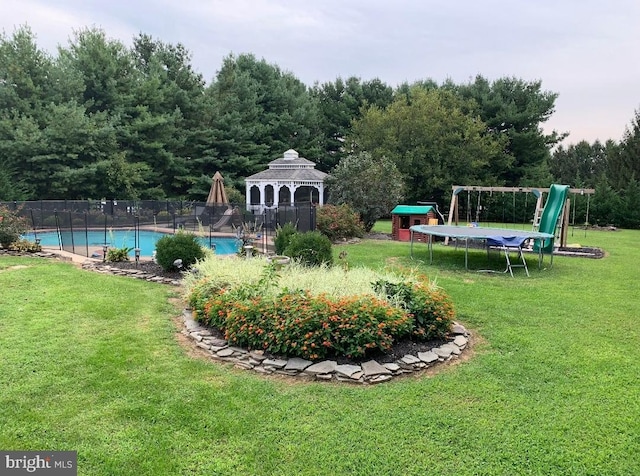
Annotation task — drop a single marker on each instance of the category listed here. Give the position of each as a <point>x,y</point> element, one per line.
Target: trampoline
<point>504,238</point>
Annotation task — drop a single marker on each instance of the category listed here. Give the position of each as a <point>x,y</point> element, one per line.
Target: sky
<point>586,51</point>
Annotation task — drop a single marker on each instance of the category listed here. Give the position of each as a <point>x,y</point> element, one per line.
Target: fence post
<point>55,213</point>
<point>86,233</point>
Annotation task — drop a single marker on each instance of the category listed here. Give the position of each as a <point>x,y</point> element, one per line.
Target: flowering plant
<point>338,222</point>
<point>12,226</point>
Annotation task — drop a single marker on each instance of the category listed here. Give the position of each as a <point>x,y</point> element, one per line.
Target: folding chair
<point>509,244</point>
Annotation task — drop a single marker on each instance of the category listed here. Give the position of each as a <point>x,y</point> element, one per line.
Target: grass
<point>90,362</point>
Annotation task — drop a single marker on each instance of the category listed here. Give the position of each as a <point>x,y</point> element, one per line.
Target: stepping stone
<point>410,359</point>
<point>460,341</point>
<point>380,378</point>
<point>238,350</point>
<point>324,367</point>
<point>392,366</point>
<point>219,342</point>
<point>275,363</point>
<point>357,376</point>
<point>453,348</point>
<point>227,352</point>
<point>263,370</point>
<point>257,355</point>
<point>243,365</point>
<point>442,352</point>
<point>297,364</point>
<point>372,368</point>
<point>428,357</point>
<point>288,373</point>
<point>348,370</point>
<point>191,325</point>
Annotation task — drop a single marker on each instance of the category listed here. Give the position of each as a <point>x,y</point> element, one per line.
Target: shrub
<point>183,246</point>
<point>12,226</point>
<point>283,237</point>
<point>118,254</point>
<point>284,312</point>
<point>311,327</point>
<point>311,248</point>
<point>25,246</point>
<point>430,307</point>
<point>339,222</point>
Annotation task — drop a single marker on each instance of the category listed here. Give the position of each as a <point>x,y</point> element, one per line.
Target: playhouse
<point>404,217</point>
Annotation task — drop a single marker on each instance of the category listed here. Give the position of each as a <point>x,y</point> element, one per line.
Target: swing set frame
<point>538,192</point>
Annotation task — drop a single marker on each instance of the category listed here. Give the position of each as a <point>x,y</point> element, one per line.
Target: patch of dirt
<point>378,236</point>
<point>18,266</point>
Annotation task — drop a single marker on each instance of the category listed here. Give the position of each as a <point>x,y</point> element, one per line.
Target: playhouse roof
<point>411,210</point>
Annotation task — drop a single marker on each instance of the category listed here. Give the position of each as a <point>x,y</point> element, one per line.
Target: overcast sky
<point>587,51</point>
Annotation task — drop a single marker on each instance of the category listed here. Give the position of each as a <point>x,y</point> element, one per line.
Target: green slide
<point>550,214</point>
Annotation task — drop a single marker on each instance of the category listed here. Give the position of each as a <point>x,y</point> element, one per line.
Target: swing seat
<point>508,244</point>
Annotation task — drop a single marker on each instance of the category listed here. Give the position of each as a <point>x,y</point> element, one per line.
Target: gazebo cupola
<point>289,180</point>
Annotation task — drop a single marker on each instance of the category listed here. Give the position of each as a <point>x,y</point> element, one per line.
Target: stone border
<point>369,372</point>
<point>128,272</point>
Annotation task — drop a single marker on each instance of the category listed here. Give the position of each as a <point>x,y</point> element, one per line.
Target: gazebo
<point>289,180</point>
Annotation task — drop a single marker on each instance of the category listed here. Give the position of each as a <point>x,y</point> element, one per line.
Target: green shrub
<point>12,226</point>
<point>311,327</point>
<point>118,254</point>
<point>430,307</point>
<point>25,246</point>
<point>183,246</point>
<point>311,248</point>
<point>258,307</point>
<point>283,237</point>
<point>339,222</point>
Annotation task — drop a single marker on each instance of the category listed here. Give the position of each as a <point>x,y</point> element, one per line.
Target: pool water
<point>126,239</point>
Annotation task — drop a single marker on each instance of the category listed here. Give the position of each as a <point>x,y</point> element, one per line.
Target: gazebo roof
<point>290,167</point>
<point>289,174</point>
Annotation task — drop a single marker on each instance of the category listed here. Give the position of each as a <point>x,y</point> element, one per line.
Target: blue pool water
<point>126,239</point>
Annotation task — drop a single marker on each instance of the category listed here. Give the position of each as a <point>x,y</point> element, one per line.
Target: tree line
<point>104,120</point>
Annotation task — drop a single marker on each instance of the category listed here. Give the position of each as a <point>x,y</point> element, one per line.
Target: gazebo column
<point>262,197</point>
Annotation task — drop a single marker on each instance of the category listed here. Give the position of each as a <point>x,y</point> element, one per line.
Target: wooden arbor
<point>538,192</point>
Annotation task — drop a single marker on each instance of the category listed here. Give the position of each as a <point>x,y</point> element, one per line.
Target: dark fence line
<point>74,219</point>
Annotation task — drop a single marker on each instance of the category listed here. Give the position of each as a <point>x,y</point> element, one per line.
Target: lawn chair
<point>509,244</point>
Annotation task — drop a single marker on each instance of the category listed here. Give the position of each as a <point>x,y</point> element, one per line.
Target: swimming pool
<point>126,239</point>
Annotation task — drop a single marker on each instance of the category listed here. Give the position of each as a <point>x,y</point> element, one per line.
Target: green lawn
<point>90,362</point>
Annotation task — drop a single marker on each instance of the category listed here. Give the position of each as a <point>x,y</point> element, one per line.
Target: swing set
<point>477,212</point>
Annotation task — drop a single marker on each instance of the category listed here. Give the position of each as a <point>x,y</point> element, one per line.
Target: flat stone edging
<point>370,372</point>
<point>128,272</point>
